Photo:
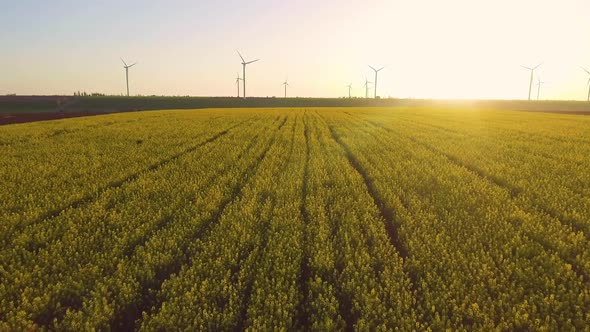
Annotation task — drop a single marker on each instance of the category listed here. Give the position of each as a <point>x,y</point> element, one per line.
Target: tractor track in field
<point>305,272</point>
<point>207,186</point>
<point>133,248</point>
<point>129,319</point>
<point>249,284</point>
<point>388,216</point>
<point>514,194</point>
<point>113,185</point>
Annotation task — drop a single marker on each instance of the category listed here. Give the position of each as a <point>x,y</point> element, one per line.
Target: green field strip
<point>234,245</point>
<point>436,316</point>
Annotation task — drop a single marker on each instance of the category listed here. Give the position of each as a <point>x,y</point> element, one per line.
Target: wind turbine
<point>286,84</point>
<point>539,83</point>
<point>531,81</point>
<point>367,82</point>
<point>376,71</point>
<point>127,73</point>
<point>588,83</point>
<point>349,87</point>
<point>238,79</point>
<point>244,63</point>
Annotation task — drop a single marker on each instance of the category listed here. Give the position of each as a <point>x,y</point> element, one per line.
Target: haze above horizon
<point>431,49</point>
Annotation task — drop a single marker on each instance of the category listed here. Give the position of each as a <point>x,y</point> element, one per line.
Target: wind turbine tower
<point>531,80</point>
<point>238,79</point>
<point>588,84</point>
<point>349,88</point>
<point>286,84</point>
<point>539,83</point>
<point>367,82</point>
<point>244,63</point>
<point>376,72</point>
<point>127,73</point>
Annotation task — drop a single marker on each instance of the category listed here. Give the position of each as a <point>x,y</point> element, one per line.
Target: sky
<point>430,48</point>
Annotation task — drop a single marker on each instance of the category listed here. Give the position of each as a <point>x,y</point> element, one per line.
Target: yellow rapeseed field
<point>296,219</point>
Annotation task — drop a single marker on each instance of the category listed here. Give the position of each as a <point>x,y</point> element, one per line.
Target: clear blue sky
<point>439,49</point>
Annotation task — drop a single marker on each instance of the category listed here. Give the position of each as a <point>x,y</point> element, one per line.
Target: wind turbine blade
<point>252,61</point>
<point>123,62</point>
<point>589,81</point>
<point>585,70</point>
<point>529,68</point>
<point>537,66</point>
<point>132,65</point>
<point>241,56</point>
<point>380,68</point>
<point>373,68</point>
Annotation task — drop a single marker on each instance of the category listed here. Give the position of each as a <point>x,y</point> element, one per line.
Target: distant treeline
<point>19,104</point>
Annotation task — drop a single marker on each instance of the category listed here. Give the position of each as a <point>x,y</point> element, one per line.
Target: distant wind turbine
<point>539,83</point>
<point>367,82</point>
<point>244,63</point>
<point>531,80</point>
<point>127,73</point>
<point>588,83</point>
<point>376,72</point>
<point>349,88</point>
<point>238,79</point>
<point>286,84</point>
